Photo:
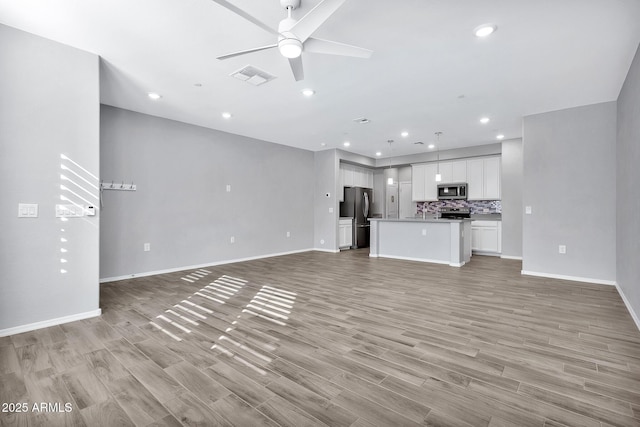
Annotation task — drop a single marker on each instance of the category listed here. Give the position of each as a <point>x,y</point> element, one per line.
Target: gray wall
<point>627,179</point>
<point>326,209</point>
<point>181,206</point>
<point>569,181</point>
<point>512,198</point>
<point>49,107</point>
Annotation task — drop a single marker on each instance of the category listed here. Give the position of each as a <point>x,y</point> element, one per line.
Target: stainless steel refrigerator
<point>357,202</point>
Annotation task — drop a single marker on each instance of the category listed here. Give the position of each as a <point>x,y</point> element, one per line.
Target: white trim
<point>435,261</point>
<point>192,267</point>
<point>47,323</point>
<point>633,314</point>
<point>483,253</point>
<point>572,278</point>
<point>519,258</point>
<point>332,251</point>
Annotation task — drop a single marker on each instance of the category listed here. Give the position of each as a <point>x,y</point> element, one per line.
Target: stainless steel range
<point>455,213</point>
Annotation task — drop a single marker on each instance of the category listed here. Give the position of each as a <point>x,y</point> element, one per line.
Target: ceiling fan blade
<point>335,48</point>
<point>310,22</point>
<point>242,52</point>
<point>296,67</point>
<point>245,15</point>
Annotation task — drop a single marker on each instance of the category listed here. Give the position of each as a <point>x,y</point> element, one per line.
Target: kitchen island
<point>443,241</point>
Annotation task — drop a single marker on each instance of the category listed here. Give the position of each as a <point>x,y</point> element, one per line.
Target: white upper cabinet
<point>492,178</point>
<point>417,182</point>
<point>353,176</point>
<point>475,179</point>
<point>446,171</point>
<point>459,171</point>
<point>423,182</point>
<point>455,171</point>
<point>431,185</point>
<point>482,176</point>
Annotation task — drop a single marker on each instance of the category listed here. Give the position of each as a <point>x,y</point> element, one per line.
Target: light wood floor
<point>335,339</point>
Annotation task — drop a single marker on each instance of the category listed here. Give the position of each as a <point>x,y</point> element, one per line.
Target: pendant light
<point>390,179</point>
<point>438,176</point>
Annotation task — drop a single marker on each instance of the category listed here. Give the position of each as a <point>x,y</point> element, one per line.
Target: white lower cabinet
<point>345,234</point>
<point>486,236</point>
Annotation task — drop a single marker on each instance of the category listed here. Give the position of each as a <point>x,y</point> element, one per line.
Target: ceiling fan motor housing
<point>293,4</point>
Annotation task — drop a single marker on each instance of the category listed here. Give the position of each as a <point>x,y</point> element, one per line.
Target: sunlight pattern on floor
<point>196,275</point>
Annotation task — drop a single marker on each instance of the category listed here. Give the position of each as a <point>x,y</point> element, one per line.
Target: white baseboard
<point>571,278</point>
<point>519,258</point>
<point>434,261</point>
<point>47,323</point>
<point>633,314</point>
<point>332,251</point>
<point>193,267</point>
<point>481,253</point>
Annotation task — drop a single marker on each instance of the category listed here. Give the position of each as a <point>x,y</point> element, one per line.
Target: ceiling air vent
<point>362,120</point>
<point>418,143</point>
<point>252,75</point>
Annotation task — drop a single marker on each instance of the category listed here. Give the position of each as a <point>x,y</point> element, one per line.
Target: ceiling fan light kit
<point>294,35</point>
<point>290,47</point>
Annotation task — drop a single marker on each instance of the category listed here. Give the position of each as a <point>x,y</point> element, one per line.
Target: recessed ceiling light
<point>308,92</point>
<point>484,30</point>
<point>404,134</point>
<point>484,120</point>
<point>431,146</point>
<point>323,144</point>
<point>226,115</point>
<point>154,96</point>
<point>501,136</point>
<point>346,143</point>
<point>378,153</point>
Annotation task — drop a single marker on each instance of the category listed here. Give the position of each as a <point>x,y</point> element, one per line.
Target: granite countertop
<point>487,217</point>
<point>419,219</point>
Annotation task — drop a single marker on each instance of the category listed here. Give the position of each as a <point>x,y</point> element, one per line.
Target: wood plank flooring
<point>319,339</point>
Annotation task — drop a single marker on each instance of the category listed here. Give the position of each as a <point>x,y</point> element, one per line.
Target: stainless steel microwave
<point>456,191</point>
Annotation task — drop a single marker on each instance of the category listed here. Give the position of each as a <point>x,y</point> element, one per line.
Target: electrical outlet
<point>147,247</point>
<point>232,240</point>
<point>322,241</point>
<point>330,210</point>
<point>288,234</point>
<point>424,231</point>
<point>228,188</point>
<point>527,210</point>
<point>562,249</point>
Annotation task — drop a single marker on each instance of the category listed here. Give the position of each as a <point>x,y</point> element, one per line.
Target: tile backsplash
<point>476,206</point>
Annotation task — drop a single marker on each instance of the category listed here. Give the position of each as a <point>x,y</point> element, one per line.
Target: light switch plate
<point>69,211</point>
<point>27,210</point>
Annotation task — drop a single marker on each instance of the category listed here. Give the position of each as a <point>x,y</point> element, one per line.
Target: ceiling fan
<point>294,36</point>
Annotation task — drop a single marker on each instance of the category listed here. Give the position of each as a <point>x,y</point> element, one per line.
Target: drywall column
<point>569,175</point>
<point>512,199</point>
<point>326,205</point>
<point>628,190</point>
<point>49,119</point>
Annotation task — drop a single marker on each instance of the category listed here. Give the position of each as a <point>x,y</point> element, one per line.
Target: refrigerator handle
<point>365,206</point>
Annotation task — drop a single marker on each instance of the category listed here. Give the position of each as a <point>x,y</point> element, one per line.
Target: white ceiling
<point>428,72</point>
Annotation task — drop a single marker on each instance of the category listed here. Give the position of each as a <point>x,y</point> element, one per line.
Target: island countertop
<point>420,219</point>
